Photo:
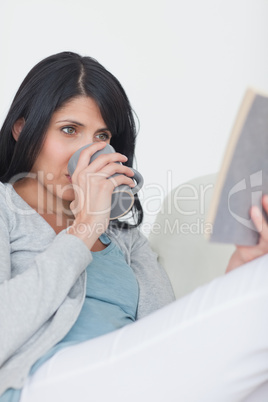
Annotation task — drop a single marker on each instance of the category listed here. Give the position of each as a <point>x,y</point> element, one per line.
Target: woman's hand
<point>245,254</point>
<point>93,187</point>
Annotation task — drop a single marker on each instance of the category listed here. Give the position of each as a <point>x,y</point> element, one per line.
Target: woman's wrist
<point>84,232</point>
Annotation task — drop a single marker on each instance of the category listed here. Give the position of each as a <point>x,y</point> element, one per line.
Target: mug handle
<point>139,179</point>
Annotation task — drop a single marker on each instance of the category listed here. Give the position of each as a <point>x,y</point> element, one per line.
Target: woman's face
<point>77,123</point>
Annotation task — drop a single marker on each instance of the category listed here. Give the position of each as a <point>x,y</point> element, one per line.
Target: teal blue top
<point>111,302</point>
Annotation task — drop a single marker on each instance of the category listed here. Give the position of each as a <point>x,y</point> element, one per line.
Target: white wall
<point>184,65</point>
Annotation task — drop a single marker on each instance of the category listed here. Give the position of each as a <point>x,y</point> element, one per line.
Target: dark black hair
<point>47,87</point>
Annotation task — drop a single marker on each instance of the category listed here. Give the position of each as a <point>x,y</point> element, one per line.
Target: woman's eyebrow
<point>103,129</point>
<point>70,121</point>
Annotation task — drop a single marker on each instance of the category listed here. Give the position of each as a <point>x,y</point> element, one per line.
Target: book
<point>243,177</point>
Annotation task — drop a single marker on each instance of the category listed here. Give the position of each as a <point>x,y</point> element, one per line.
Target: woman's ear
<point>17,127</point>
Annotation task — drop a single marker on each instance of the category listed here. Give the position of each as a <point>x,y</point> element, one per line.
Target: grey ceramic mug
<point>123,195</point>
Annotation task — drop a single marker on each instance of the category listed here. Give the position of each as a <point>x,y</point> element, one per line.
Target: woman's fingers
<point>259,219</point>
<point>105,166</point>
<point>115,172</point>
<point>121,179</point>
<point>265,203</point>
<point>245,254</point>
<point>104,160</point>
<point>87,153</point>
<point>116,168</point>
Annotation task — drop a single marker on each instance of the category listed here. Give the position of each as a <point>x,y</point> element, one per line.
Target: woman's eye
<point>69,130</point>
<point>103,136</point>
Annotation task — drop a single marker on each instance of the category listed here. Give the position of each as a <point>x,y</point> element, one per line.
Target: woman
<point>67,275</point>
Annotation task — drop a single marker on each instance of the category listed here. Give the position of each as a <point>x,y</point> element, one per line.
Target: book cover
<point>243,176</point>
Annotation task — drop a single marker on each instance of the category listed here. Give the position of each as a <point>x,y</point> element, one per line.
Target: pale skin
<point>63,201</point>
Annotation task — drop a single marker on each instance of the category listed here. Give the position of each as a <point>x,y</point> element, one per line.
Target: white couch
<point>178,237</point>
<point>188,257</point>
